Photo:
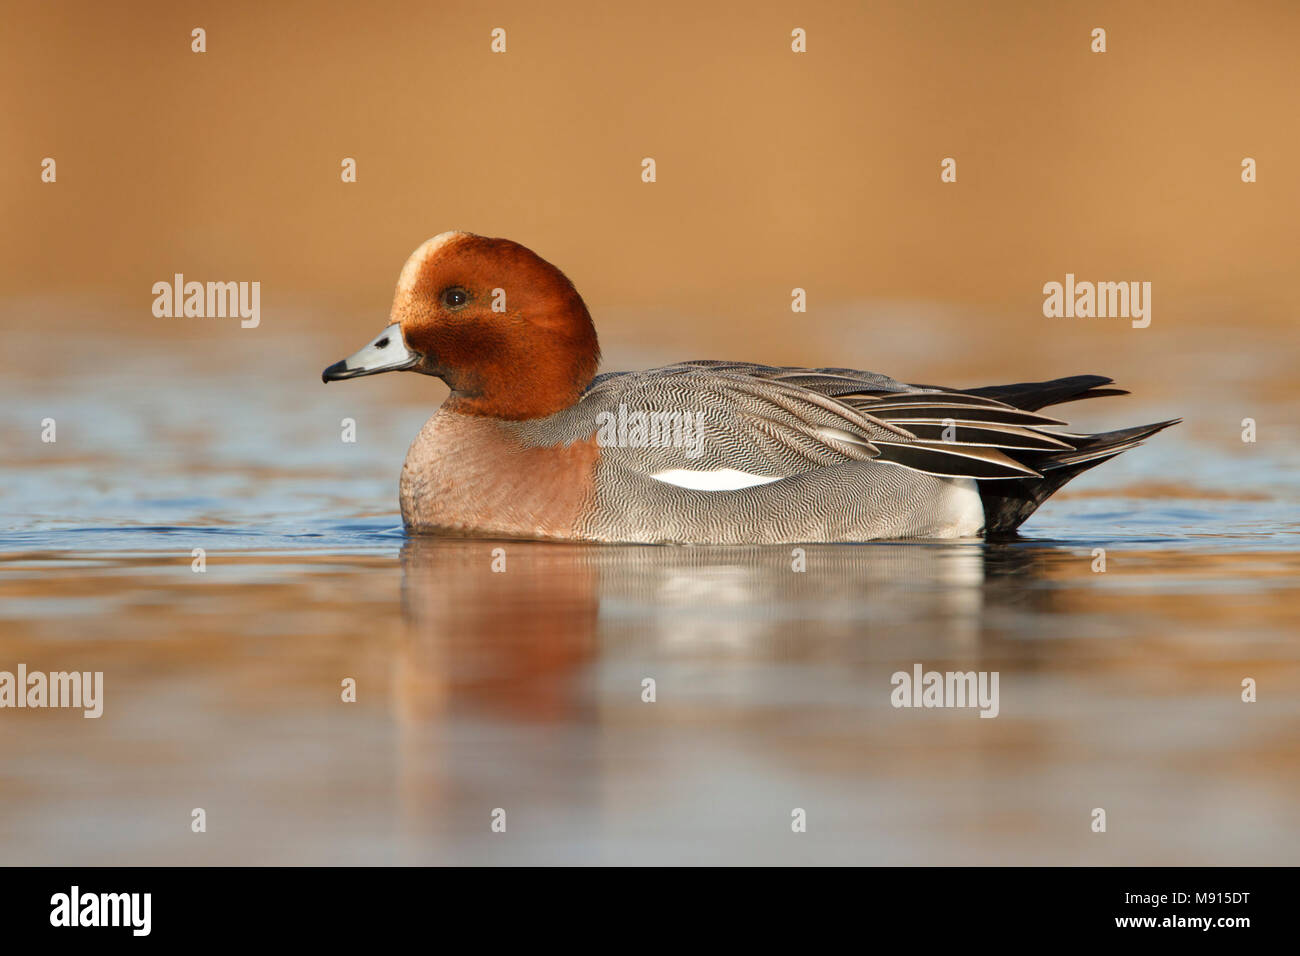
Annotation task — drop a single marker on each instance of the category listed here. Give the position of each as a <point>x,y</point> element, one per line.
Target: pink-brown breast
<point>472,475</point>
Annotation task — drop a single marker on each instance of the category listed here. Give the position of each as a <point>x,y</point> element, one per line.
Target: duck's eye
<point>455,297</point>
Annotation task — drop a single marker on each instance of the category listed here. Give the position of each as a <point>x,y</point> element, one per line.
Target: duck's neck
<point>518,383</point>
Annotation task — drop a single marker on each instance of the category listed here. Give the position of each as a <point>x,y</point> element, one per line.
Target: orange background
<point>775,170</point>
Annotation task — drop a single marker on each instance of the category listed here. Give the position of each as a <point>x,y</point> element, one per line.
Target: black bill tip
<point>336,372</point>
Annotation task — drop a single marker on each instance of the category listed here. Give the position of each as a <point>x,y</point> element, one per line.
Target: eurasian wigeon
<point>532,443</point>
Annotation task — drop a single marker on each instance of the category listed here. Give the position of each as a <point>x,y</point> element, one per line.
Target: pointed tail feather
<point>1008,503</point>
<point>1031,396</point>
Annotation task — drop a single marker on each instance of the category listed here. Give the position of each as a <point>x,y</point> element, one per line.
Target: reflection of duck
<point>511,637</point>
<point>531,443</point>
<point>517,637</point>
<point>516,686</point>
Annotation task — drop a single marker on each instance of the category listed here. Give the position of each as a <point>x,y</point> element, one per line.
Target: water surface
<point>522,690</point>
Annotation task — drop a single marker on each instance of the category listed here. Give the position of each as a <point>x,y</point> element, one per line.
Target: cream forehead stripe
<point>411,270</point>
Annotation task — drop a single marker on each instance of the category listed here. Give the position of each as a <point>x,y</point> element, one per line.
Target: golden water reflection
<point>522,690</point>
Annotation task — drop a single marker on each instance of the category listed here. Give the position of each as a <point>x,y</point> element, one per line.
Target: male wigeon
<point>532,443</point>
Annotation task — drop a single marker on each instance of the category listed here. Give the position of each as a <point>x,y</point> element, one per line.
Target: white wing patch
<point>721,479</point>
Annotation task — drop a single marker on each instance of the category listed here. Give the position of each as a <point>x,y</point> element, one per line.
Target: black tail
<point>1032,396</point>
<point>1008,502</point>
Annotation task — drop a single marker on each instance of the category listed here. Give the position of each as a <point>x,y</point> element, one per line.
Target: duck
<point>533,443</point>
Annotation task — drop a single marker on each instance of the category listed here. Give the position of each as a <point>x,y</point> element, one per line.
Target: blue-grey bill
<point>387,353</point>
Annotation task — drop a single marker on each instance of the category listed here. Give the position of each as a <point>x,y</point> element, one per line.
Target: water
<point>523,690</point>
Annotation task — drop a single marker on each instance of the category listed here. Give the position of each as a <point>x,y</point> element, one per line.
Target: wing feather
<point>773,422</point>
